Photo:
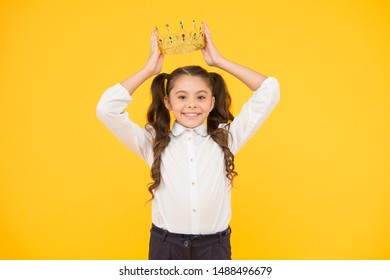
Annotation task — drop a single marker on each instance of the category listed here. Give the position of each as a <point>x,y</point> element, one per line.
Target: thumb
<point>160,57</point>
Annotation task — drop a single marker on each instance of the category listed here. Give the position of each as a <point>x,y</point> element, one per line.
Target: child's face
<point>190,100</point>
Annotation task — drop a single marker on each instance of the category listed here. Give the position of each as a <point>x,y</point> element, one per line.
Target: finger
<point>206,29</point>
<point>208,38</point>
<point>209,41</point>
<point>152,36</point>
<point>153,41</point>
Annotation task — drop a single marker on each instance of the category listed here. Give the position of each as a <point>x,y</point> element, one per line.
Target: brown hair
<point>159,118</point>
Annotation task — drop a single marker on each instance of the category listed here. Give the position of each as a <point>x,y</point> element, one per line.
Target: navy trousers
<point>165,245</point>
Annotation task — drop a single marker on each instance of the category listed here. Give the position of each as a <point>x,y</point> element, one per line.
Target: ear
<point>212,103</point>
<point>167,103</point>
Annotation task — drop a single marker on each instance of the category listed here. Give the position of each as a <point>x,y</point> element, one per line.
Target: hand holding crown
<point>155,61</point>
<point>210,53</point>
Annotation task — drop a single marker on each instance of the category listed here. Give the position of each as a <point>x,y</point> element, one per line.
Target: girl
<point>192,164</point>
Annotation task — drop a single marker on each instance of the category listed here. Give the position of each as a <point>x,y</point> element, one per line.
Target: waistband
<point>166,233</point>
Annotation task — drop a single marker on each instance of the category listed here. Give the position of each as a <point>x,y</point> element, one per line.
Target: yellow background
<point>314,182</point>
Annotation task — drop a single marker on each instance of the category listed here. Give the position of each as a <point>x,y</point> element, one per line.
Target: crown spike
<point>182,24</point>
<point>167,26</point>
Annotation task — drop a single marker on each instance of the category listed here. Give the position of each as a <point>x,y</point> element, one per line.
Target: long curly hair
<point>158,117</point>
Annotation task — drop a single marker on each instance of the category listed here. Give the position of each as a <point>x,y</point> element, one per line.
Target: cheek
<point>173,104</point>
<point>176,109</point>
<point>176,106</point>
<point>207,109</point>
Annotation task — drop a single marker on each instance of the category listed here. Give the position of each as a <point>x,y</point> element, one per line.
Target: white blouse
<point>194,196</point>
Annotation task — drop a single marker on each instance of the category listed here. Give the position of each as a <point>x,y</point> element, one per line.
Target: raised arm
<point>151,68</point>
<point>111,107</point>
<point>212,57</point>
<point>258,107</point>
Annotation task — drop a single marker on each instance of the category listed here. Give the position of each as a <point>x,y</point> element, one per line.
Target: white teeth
<point>190,115</point>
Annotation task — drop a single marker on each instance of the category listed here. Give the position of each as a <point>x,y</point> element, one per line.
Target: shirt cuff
<point>268,82</point>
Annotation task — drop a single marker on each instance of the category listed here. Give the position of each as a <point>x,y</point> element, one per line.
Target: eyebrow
<point>199,91</point>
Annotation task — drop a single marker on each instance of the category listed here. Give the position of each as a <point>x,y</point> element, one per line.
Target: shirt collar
<point>178,129</point>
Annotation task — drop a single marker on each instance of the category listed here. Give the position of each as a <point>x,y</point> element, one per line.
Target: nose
<point>191,103</point>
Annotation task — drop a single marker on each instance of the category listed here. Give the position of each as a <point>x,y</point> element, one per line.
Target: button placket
<point>192,180</point>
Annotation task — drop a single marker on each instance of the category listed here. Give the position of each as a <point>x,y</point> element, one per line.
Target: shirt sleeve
<point>111,112</point>
<point>253,114</point>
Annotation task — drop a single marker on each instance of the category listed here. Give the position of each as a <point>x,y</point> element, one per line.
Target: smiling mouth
<point>191,115</point>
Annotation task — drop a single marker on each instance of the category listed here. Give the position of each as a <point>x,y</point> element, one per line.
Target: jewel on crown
<point>181,41</point>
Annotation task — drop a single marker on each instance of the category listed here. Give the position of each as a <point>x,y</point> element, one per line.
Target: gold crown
<point>181,41</point>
